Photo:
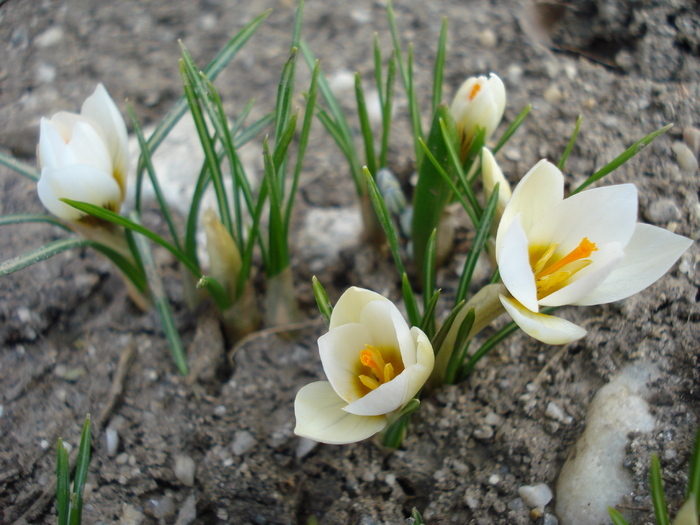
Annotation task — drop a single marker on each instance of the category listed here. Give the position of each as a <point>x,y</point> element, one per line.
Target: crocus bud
<point>491,175</point>
<point>224,257</point>
<point>83,157</point>
<point>480,102</point>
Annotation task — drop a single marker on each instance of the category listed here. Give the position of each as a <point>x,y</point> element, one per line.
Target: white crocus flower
<point>83,157</point>
<point>375,364</point>
<point>584,250</point>
<point>480,102</point>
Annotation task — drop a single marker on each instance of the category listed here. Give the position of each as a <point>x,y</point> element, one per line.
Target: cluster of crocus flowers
<point>586,249</point>
<point>375,365</point>
<point>479,103</point>
<point>83,157</point>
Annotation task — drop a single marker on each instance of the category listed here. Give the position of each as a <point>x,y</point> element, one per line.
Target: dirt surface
<point>66,324</point>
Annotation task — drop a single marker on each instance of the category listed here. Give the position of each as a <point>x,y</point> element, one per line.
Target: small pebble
<point>553,95</point>
<point>69,374</point>
<point>662,211</point>
<point>554,411</point>
<point>220,411</point>
<point>691,136</point>
<point>184,469</point>
<point>44,444</point>
<point>188,511</point>
<point>131,515</point>
<point>550,519</point>
<point>536,496</point>
<point>494,479</point>
<point>243,442</point>
<point>493,419</point>
<point>488,38</point>
<point>483,433</point>
<point>112,441</point>
<point>122,458</point>
<point>24,315</point>
<point>516,504</point>
<point>162,508</point>
<point>49,38</point>
<point>685,157</point>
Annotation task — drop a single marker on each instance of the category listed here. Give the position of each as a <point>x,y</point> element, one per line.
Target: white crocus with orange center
<point>584,250</point>
<point>375,364</point>
<point>83,157</point>
<point>479,103</point>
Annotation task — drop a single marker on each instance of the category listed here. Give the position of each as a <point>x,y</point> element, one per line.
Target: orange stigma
<point>475,91</point>
<point>582,251</point>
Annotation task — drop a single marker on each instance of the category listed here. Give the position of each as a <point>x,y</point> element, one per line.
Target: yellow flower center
<point>378,368</point>
<point>552,275</point>
<point>474,91</point>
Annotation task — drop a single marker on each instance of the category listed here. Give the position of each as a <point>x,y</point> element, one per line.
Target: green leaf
<point>62,483</point>
<point>385,220</point>
<point>657,492</point>
<point>694,472</point>
<point>429,270</point>
<point>410,299</point>
<point>160,299</point>
<point>440,337</point>
<point>474,208</point>
<point>480,238</point>
<point>622,158</point>
<point>508,133</point>
<point>417,518</point>
<point>570,145</point>
<point>393,435</point>
<point>45,252</point>
<point>324,304</point>
<point>459,351</point>
<point>428,322</point>
<point>616,517</point>
<point>366,129</point>
<point>432,193</point>
<point>32,217</point>
<point>438,73</point>
<point>19,166</point>
<point>278,256</point>
<point>387,105</point>
<point>211,71</point>
<point>81,470</point>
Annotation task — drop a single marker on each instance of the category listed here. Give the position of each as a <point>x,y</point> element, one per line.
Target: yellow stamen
<point>371,358</point>
<point>583,250</point>
<point>544,259</point>
<point>475,91</point>
<point>388,372</point>
<point>369,382</point>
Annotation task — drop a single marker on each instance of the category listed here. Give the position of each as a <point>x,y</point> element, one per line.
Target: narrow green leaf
<point>190,248</point>
<point>385,220</point>
<point>480,238</point>
<point>429,270</point>
<point>20,167</point>
<point>428,321</point>
<point>378,68</point>
<point>440,337</point>
<point>417,518</point>
<point>32,217</point>
<point>146,155</point>
<point>694,472</point>
<point>616,517</point>
<point>160,299</point>
<point>657,492</point>
<point>365,128</point>
<point>510,131</point>
<point>416,125</point>
<point>459,351</point>
<point>324,304</point>
<point>438,72</point>
<point>81,470</point>
<point>474,208</point>
<point>393,435</point>
<point>252,131</point>
<point>278,256</point>
<point>283,116</point>
<point>409,298</point>
<point>570,145</point>
<point>387,106</point>
<point>40,254</point>
<point>62,483</point>
<point>622,158</point>
<point>114,218</point>
<point>279,156</point>
<point>432,193</point>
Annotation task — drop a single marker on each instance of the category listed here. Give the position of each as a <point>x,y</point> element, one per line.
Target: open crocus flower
<point>375,365</point>
<point>83,157</point>
<point>480,102</point>
<point>587,249</point>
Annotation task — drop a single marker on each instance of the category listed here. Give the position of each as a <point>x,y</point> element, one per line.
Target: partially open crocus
<point>479,103</point>
<point>375,364</point>
<point>83,157</point>
<point>584,250</point>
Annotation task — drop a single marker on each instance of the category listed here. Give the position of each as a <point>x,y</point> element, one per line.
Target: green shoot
<point>570,145</point>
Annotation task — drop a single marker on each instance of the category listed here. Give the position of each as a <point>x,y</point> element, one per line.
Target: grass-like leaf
<point>694,472</point>
<point>622,158</point>
<point>616,517</point>
<point>438,72</point>
<point>459,351</point>
<point>62,483</point>
<point>570,145</point>
<point>387,105</point>
<point>428,321</point>
<point>429,270</point>
<point>81,470</point>
<point>510,130</point>
<point>32,217</point>
<point>278,255</point>
<point>480,238</point>
<point>417,518</point>
<point>439,338</point>
<point>410,299</point>
<point>657,492</point>
<point>227,53</point>
<point>324,304</point>
<point>365,128</point>
<point>20,167</point>
<point>161,301</point>
<point>393,436</point>
<point>385,220</point>
<point>432,193</point>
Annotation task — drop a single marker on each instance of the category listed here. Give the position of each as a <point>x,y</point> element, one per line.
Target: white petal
<point>546,328</point>
<point>649,255</point>
<point>604,215</point>
<point>498,91</point>
<point>100,108</point>
<point>53,150</point>
<point>389,330</point>
<point>539,190</point>
<point>491,175</point>
<point>340,355</point>
<point>514,266</point>
<point>320,416</point>
<point>384,399</point>
<point>350,305</point>
<point>604,262</point>
<point>80,183</point>
<point>88,147</point>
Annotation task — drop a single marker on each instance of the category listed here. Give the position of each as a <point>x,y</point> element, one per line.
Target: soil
<point>73,343</point>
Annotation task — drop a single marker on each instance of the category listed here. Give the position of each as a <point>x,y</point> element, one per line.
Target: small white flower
<point>587,249</point>
<point>83,157</point>
<point>480,102</point>
<point>375,364</point>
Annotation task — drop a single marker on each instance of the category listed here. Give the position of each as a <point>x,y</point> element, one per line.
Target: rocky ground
<point>73,343</point>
